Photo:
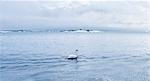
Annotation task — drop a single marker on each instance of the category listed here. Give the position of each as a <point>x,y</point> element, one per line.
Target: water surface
<point>29,56</point>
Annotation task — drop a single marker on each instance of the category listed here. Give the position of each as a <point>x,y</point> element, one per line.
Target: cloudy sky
<point>39,14</point>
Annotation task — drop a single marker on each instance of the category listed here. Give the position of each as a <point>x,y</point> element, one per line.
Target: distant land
<point>81,30</point>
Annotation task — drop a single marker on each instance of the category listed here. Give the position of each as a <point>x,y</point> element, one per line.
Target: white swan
<point>73,56</point>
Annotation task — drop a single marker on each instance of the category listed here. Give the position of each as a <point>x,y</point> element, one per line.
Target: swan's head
<point>76,50</point>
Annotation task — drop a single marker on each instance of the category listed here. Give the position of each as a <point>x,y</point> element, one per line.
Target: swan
<point>73,56</point>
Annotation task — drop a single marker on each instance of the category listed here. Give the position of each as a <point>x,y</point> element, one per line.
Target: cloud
<point>70,13</point>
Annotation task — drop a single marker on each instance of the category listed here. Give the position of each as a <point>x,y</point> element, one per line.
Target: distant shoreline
<point>76,31</point>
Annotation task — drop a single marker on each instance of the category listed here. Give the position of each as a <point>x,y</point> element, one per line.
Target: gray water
<point>102,57</point>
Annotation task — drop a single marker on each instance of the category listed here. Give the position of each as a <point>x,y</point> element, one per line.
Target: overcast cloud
<point>69,14</point>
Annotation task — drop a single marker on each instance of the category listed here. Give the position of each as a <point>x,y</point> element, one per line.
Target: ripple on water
<point>22,64</point>
<point>59,76</point>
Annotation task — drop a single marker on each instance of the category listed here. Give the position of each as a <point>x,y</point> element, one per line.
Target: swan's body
<point>71,57</point>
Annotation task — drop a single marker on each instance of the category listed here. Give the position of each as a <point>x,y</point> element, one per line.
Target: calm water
<point>102,57</point>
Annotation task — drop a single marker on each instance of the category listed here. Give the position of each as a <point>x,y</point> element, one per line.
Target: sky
<point>70,14</point>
